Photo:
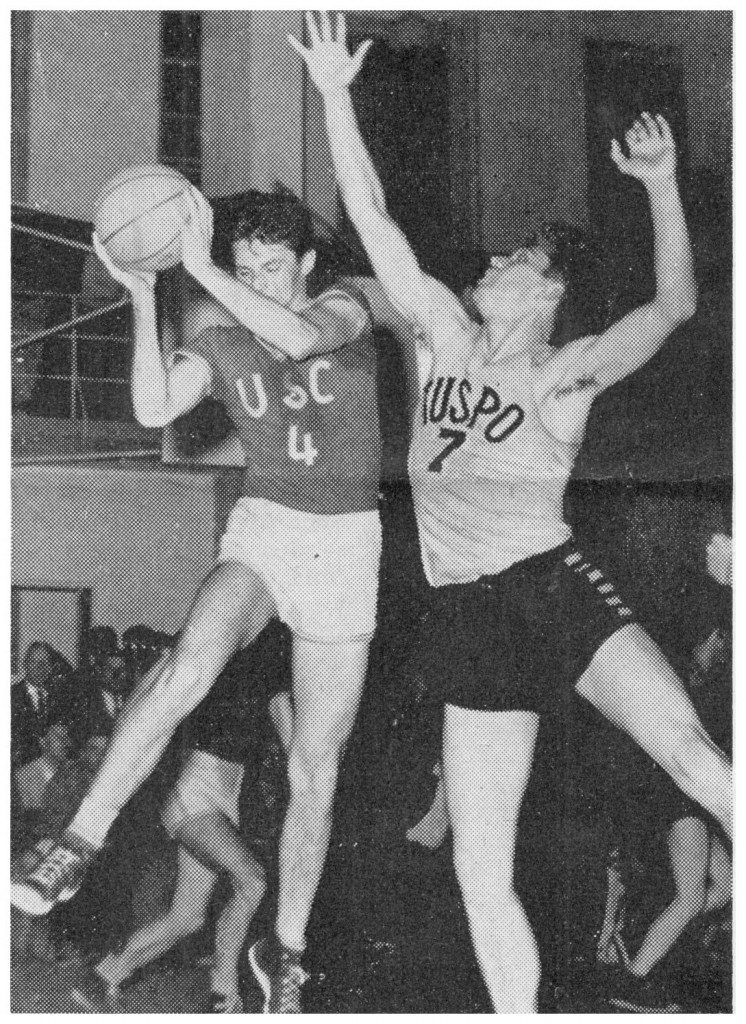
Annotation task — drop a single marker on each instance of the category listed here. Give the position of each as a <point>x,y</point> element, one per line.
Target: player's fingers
<point>341,29</point>
<point>665,128</point>
<point>630,137</point>
<point>191,207</point>
<point>199,212</point>
<point>651,125</point>
<point>298,47</point>
<point>617,156</point>
<point>313,32</point>
<point>326,27</point>
<point>103,255</point>
<point>360,54</point>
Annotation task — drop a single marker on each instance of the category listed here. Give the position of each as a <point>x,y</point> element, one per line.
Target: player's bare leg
<point>232,608</point>
<point>218,843</point>
<point>487,758</point>
<point>327,687</point>
<point>632,684</point>
<point>689,850</point>
<point>195,884</point>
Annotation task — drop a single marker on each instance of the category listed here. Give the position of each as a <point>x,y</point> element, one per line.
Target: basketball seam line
<point>157,252</point>
<point>112,190</point>
<point>144,213</point>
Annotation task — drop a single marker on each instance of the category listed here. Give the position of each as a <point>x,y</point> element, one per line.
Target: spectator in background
<point>99,643</point>
<point>111,685</point>
<point>33,777</point>
<point>143,646</point>
<point>35,701</point>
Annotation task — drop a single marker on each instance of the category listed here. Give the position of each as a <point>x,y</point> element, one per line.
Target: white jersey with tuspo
<point>488,477</point>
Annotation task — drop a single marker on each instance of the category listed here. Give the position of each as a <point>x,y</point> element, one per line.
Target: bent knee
<point>693,901</point>
<point>186,921</point>
<point>249,880</point>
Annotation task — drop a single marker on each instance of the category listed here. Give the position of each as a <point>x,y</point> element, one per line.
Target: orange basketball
<point>140,217</point>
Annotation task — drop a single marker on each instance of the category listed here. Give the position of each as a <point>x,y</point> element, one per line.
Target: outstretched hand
<point>330,64</point>
<point>652,151</point>
<point>133,280</point>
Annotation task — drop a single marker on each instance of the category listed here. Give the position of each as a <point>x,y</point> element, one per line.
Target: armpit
<point>580,384</point>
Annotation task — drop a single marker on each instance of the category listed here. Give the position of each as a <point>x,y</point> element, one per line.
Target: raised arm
<point>633,340</point>
<point>159,393</point>
<point>332,69</point>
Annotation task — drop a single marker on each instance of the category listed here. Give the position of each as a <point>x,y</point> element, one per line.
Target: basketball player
<point>522,613</point>
<point>298,378</point>
<point>227,737</point>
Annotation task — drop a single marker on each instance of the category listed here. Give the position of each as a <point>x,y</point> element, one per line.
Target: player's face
<point>272,269</point>
<point>518,284</point>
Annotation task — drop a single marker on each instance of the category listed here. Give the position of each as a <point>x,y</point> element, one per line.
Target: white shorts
<point>206,785</point>
<point>322,571</point>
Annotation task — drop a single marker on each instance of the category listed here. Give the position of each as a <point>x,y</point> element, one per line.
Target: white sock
<point>93,821</point>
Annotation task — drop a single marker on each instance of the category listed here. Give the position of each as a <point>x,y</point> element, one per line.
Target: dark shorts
<point>519,640</point>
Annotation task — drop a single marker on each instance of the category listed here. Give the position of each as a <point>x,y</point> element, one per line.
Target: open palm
<point>330,64</point>
<point>652,151</point>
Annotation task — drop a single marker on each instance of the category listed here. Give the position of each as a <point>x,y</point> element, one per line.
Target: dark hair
<point>581,261</point>
<point>100,641</point>
<point>38,645</point>
<point>267,217</point>
<point>140,635</point>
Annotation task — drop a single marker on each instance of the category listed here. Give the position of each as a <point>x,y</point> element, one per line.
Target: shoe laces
<point>292,978</point>
<point>56,865</point>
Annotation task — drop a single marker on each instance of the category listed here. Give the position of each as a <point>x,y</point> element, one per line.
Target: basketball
<point>140,216</point>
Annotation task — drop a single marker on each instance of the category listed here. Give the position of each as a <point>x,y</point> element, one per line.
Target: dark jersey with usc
<point>309,429</point>
<point>233,721</point>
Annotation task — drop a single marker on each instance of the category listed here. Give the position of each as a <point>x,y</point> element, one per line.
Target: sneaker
<point>640,995</point>
<point>280,975</point>
<point>96,995</point>
<point>30,859</point>
<point>220,1003</point>
<point>56,875</point>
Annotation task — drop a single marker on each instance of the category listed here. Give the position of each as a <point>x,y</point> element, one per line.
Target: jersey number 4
<point>305,454</point>
<point>455,439</point>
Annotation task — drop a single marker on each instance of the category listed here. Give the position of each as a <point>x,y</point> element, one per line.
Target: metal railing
<point>55,319</point>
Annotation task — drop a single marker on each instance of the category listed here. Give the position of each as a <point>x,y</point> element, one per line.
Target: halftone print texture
<point>427,707</point>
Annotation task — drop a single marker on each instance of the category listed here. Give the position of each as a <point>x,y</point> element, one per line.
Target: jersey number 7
<point>455,439</point>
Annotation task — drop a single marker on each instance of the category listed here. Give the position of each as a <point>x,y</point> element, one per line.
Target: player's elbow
<point>303,344</point>
<point>679,306</point>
